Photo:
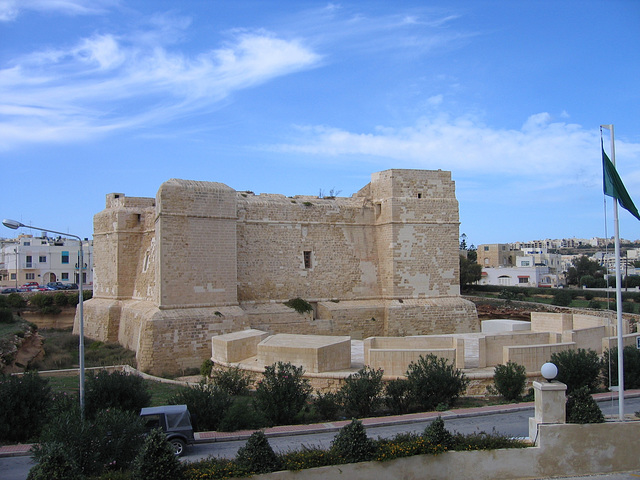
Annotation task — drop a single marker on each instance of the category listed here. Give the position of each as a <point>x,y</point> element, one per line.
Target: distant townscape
<point>551,263</point>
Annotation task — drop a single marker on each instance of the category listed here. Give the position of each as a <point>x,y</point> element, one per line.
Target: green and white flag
<point>613,186</point>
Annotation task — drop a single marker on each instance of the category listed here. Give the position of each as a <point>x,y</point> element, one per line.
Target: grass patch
<point>70,384</point>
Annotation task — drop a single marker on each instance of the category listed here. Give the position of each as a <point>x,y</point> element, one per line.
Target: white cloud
<point>541,149</point>
<point>87,89</point>
<point>10,9</point>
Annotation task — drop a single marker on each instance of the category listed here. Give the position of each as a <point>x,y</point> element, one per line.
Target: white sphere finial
<point>549,371</point>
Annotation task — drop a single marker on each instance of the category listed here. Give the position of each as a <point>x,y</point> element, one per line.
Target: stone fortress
<point>202,260</point>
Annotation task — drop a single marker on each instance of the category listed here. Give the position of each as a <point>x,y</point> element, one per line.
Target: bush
<point>257,456</point>
<point>110,440</point>
<point>234,381</point>
<point>299,305</point>
<point>55,463</point>
<point>207,404</point>
<point>6,315</point>
<point>631,361</point>
<point>60,299</point>
<point>156,460</point>
<point>241,415</point>
<point>589,296</point>
<point>437,435</point>
<point>206,367</point>
<point>40,300</point>
<point>562,298</point>
<point>360,394</point>
<point>15,301</point>
<point>282,393</point>
<point>327,405</point>
<point>433,381</point>
<point>577,368</point>
<point>510,380</point>
<point>397,396</point>
<point>352,445</point>
<point>628,307</point>
<point>115,390</point>
<point>24,403</point>
<point>595,304</point>
<point>582,408</point>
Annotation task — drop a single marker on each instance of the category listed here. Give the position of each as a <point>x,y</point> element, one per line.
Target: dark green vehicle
<point>175,422</point>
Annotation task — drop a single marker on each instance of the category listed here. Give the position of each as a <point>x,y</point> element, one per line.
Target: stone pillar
<point>550,404</point>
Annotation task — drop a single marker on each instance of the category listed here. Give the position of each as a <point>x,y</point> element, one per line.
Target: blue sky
<point>294,97</point>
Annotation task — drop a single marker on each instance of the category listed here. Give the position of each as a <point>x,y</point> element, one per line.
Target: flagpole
<point>618,291</point>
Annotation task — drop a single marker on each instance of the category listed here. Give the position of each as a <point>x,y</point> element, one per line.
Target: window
<point>29,261</point>
<point>65,257</point>
<point>419,195</point>
<point>26,244</point>
<point>504,280</point>
<point>65,276</point>
<point>30,276</point>
<point>43,259</point>
<point>307,258</point>
<point>523,279</point>
<point>13,276</point>
<point>525,263</point>
<point>486,248</point>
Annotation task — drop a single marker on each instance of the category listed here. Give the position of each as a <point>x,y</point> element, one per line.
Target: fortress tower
<point>202,259</point>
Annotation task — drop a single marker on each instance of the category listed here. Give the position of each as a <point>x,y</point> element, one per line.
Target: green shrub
<point>257,456</point>
<point>307,457</point>
<point>577,368</point>
<point>156,460</point>
<point>589,296</point>
<point>628,307</point>
<point>595,304</point>
<point>40,300</point>
<point>108,441</point>
<point>55,463</point>
<point>15,301</point>
<point>24,402</point>
<point>510,380</point>
<point>282,393</point>
<point>206,403</point>
<point>433,381</point>
<point>115,390</point>
<point>360,394</point>
<point>206,367</point>
<point>352,445</point>
<point>437,435</point>
<point>562,298</point>
<point>60,299</point>
<point>299,305</point>
<point>397,396</point>
<point>327,405</point>
<point>212,468</point>
<point>631,362</point>
<point>234,381</point>
<point>582,408</point>
<point>242,415</point>
<point>6,315</point>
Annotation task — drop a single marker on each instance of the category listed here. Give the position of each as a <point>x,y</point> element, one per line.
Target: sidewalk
<point>287,430</point>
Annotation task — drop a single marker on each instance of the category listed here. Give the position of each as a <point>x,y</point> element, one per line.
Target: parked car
<point>10,290</point>
<point>175,422</point>
<point>56,286</point>
<point>71,286</point>
<point>30,285</point>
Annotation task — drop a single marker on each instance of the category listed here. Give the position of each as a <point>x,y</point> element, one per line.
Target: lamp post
<point>14,225</point>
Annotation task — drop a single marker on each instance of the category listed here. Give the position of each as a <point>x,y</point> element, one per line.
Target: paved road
<point>513,423</point>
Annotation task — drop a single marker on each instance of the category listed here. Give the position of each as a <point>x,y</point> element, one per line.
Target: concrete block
<point>236,346</point>
<point>315,353</point>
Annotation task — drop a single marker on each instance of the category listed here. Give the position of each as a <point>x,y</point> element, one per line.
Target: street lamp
<point>14,225</point>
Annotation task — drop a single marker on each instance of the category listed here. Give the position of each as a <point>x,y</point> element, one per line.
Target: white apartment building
<point>44,259</point>
<point>519,276</point>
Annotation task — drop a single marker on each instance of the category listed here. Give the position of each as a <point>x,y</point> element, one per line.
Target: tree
<point>584,266</point>
<point>470,272</point>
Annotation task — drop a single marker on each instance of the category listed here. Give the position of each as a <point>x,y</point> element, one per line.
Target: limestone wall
<point>532,357</point>
<point>492,345</point>
<point>587,338</point>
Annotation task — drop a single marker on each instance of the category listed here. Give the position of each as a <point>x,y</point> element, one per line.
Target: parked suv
<point>175,422</point>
